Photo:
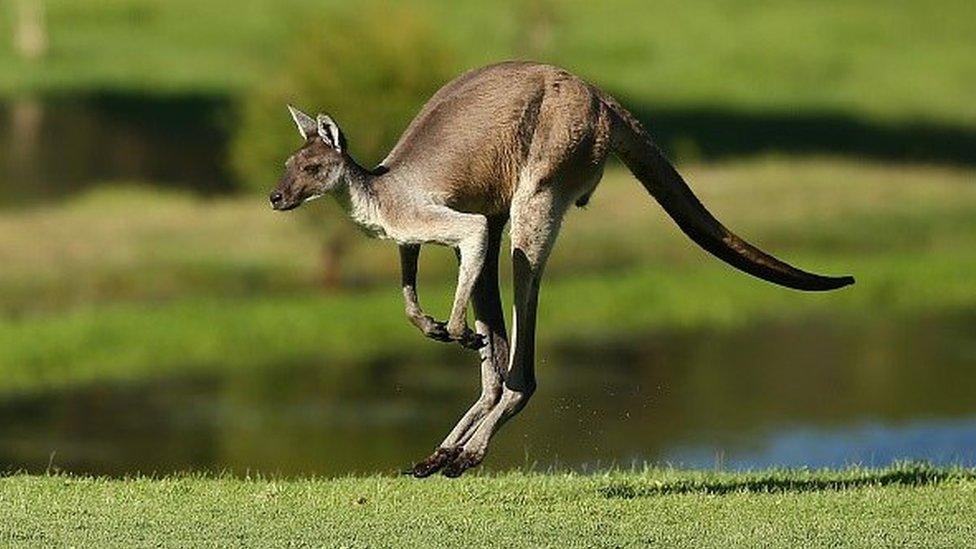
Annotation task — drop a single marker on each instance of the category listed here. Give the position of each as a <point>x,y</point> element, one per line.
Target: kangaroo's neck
<point>357,195</point>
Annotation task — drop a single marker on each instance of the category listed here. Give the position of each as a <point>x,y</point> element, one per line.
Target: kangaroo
<point>519,143</point>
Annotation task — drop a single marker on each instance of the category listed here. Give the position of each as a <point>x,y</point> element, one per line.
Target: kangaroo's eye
<point>312,168</point>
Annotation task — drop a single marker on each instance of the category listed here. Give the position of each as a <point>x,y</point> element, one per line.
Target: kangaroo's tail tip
<point>827,283</point>
<point>846,280</point>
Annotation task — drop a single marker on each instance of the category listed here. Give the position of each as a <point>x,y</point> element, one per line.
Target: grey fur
<point>306,124</point>
<point>514,141</point>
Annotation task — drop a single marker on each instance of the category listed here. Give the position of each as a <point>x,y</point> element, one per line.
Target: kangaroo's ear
<point>330,132</point>
<point>306,124</point>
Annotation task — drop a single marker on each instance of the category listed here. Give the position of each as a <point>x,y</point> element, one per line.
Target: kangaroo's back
<point>472,139</point>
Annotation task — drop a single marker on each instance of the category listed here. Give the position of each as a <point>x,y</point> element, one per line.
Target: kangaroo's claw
<point>462,461</point>
<point>434,329</point>
<point>435,462</point>
<point>472,340</point>
<point>438,331</point>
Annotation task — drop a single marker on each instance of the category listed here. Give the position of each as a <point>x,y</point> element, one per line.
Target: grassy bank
<point>164,284</point>
<point>138,245</point>
<point>903,506</point>
<point>128,341</point>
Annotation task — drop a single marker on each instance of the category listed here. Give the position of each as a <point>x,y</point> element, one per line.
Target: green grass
<point>896,62</point>
<point>135,340</point>
<point>914,506</point>
<point>167,284</point>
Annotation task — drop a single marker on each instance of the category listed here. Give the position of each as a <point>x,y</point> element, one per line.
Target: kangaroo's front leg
<point>471,249</point>
<point>409,253</point>
<point>468,234</point>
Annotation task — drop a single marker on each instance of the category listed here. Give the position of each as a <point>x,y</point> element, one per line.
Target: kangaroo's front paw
<point>468,338</point>
<point>472,340</point>
<point>433,329</point>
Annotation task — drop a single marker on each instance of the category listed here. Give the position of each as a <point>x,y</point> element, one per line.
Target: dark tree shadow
<point>83,140</point>
<point>778,483</point>
<point>76,141</point>
<point>714,133</point>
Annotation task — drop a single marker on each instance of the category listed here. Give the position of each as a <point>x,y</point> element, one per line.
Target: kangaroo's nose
<point>276,198</point>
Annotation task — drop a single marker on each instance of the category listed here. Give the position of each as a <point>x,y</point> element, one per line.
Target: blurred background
<point>156,315</point>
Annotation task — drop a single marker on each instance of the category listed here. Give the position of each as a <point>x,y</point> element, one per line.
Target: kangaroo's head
<point>315,169</point>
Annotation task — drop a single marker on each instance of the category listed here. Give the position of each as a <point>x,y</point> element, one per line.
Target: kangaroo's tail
<point>635,148</point>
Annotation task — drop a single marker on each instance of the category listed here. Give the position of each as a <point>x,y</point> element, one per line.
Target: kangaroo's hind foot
<point>434,462</point>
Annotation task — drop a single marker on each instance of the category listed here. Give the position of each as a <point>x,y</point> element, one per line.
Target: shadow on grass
<point>713,132</point>
<point>775,483</point>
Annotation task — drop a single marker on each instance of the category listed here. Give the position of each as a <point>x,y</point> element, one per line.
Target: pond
<point>813,393</point>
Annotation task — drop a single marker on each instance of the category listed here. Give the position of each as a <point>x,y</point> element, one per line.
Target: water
<point>800,394</point>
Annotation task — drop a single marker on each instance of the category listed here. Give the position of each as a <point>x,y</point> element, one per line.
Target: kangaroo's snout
<point>284,198</point>
<point>280,203</point>
<point>276,199</point>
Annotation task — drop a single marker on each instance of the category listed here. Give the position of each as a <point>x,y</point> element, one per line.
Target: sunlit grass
<point>907,505</point>
<point>900,62</point>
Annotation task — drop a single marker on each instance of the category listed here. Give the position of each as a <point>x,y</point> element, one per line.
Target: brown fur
<point>516,115</point>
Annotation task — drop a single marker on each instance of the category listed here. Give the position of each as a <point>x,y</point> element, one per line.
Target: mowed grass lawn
<point>904,506</point>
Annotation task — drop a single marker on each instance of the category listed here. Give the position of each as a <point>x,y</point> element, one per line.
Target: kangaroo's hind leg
<point>490,323</point>
<point>536,217</point>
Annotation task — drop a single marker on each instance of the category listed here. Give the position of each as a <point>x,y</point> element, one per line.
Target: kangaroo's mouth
<point>281,203</point>
<point>282,207</point>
